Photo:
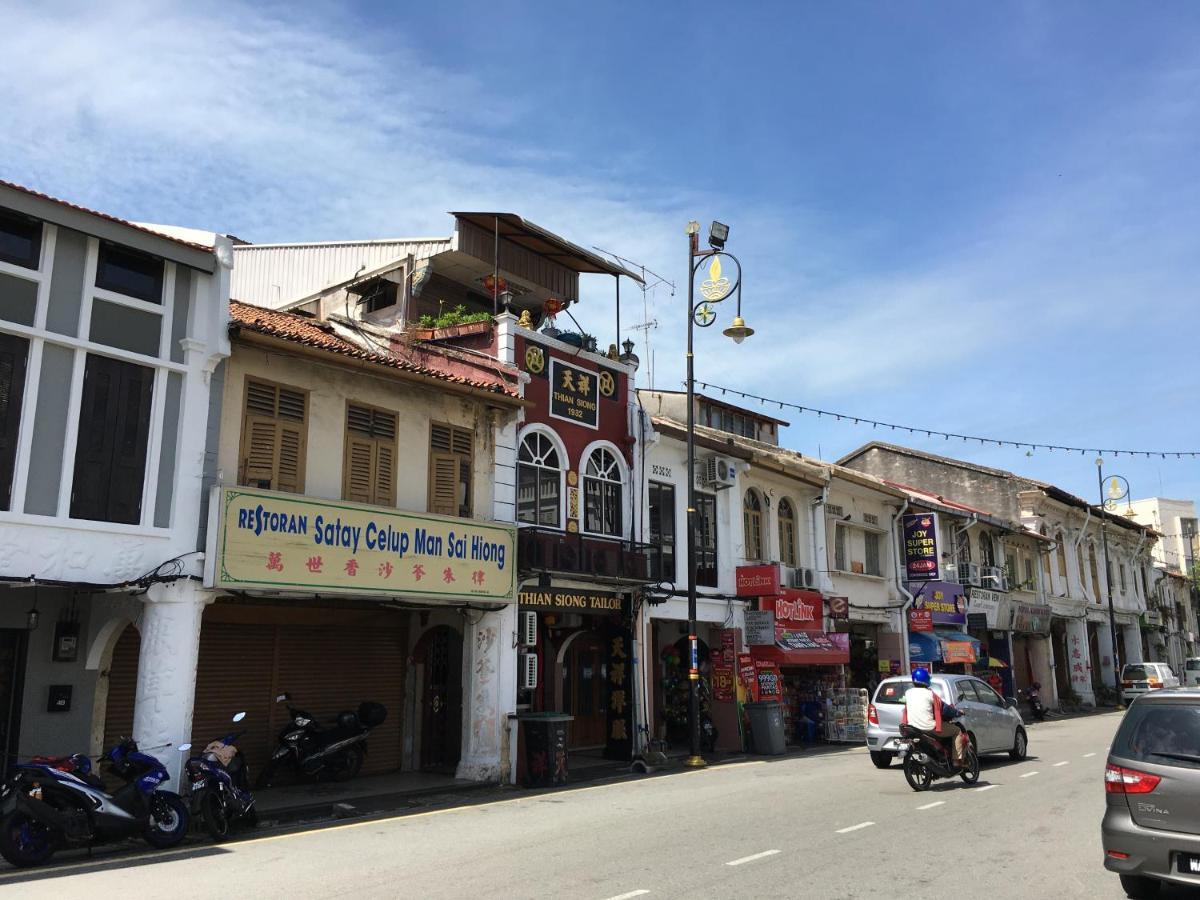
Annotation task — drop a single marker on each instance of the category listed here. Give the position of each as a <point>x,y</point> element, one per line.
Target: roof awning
<point>942,646</point>
<point>805,648</point>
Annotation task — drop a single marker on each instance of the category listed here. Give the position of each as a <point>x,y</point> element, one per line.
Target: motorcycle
<point>313,751</point>
<point>927,760</point>
<point>53,802</point>
<point>220,786</point>
<point>1035,703</point>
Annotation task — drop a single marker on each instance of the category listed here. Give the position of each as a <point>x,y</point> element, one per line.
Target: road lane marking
<point>986,787</point>
<point>630,895</point>
<point>751,858</point>
<point>1086,755</point>
<point>1065,762</point>
<point>932,805</point>
<point>1029,774</point>
<point>855,827</point>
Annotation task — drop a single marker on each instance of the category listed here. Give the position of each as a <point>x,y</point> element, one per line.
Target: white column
<point>166,683</point>
<point>1105,663</point>
<point>1078,660</point>
<point>490,676</point>
<point>1133,644</point>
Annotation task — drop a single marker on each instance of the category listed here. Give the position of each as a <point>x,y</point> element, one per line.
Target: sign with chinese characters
<point>619,740</point>
<point>569,600</point>
<point>284,542</point>
<point>921,546</point>
<point>945,601</point>
<point>796,609</point>
<point>760,628</point>
<point>757,581</point>
<point>574,394</point>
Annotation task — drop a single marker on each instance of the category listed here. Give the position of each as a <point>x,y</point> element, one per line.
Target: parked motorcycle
<point>53,802</point>
<point>221,786</point>
<point>1033,696</point>
<point>926,760</point>
<point>313,751</point>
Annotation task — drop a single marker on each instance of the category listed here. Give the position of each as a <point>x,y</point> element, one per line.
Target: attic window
<point>378,295</point>
<point>832,509</point>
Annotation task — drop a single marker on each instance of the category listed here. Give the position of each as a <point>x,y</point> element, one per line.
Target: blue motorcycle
<point>221,786</point>
<point>48,804</point>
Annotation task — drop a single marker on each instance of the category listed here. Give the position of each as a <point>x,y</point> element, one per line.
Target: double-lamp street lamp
<point>714,289</point>
<point>1115,492</point>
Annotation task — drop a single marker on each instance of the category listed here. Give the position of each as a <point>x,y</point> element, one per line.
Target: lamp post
<point>1114,494</point>
<point>714,289</point>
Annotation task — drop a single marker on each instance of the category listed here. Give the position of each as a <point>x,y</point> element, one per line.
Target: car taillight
<point>1119,780</point>
<point>1117,854</point>
<point>1155,683</point>
<point>1126,684</point>
<point>872,714</point>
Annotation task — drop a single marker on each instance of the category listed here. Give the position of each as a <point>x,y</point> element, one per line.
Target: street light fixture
<point>714,289</point>
<point>1114,494</point>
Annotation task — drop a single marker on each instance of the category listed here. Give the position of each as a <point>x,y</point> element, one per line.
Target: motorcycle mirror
<point>237,717</point>
<point>282,697</point>
<point>184,748</point>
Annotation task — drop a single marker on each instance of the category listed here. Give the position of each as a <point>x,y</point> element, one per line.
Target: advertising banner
<point>920,620</point>
<point>745,668</point>
<point>957,652</point>
<point>803,610</point>
<point>767,681</point>
<point>945,601</point>
<point>757,581</point>
<point>921,546</point>
<point>724,683</point>
<point>285,542</point>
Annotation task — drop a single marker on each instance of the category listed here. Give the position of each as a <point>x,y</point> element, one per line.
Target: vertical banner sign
<point>767,676</point>
<point>724,684</point>
<point>619,741</point>
<point>921,546</point>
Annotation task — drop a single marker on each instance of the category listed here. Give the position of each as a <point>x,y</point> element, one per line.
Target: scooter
<point>58,802</point>
<point>1035,702</point>
<point>220,786</point>
<point>926,760</point>
<point>313,751</point>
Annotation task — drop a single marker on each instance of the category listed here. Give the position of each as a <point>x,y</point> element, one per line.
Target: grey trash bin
<point>766,728</point>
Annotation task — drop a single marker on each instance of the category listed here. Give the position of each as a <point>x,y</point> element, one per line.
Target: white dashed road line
<point>1029,774</point>
<point>1065,762</point>
<point>752,858</point>
<point>630,895</point>
<point>932,805</point>
<point>1086,755</point>
<point>855,827</point>
<point>986,787</point>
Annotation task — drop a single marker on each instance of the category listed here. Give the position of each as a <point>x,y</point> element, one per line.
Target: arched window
<point>787,533</point>
<point>539,482</point>
<point>987,551</point>
<point>752,523</point>
<point>602,493</point>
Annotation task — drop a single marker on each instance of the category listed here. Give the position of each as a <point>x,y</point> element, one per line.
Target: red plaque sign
<point>920,620</point>
<point>757,581</point>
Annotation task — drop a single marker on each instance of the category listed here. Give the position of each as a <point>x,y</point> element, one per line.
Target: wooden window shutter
<point>451,450</point>
<point>370,462</point>
<point>443,484</point>
<point>274,437</point>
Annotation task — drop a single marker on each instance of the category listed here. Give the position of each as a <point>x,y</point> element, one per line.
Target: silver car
<point>993,723</point>
<point>1151,827</point>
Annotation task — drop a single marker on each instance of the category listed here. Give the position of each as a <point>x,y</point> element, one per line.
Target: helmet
<point>921,676</point>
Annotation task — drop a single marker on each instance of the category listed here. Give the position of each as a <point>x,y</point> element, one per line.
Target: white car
<point>1191,671</point>
<point>1141,678</point>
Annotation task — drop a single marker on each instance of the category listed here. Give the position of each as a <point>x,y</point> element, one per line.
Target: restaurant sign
<point>263,540</point>
<point>921,546</point>
<point>574,394</point>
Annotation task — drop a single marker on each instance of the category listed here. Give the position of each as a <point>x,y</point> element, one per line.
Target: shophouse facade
<point>109,336</point>
<point>1176,556</point>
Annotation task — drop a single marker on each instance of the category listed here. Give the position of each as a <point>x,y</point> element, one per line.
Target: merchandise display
<point>805,693</point>
<point>846,716</point>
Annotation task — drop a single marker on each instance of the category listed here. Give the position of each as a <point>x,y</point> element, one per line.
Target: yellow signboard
<point>267,540</point>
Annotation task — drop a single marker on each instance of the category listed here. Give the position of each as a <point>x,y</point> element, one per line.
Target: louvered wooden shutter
<point>443,484</point>
<point>274,437</point>
<point>450,454</point>
<point>13,353</point>
<point>369,474</point>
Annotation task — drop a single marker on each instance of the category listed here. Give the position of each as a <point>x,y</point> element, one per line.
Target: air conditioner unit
<point>787,575</point>
<point>528,672</point>
<point>529,629</point>
<point>810,577</point>
<point>718,472</point>
<point>803,578</point>
<point>968,573</point>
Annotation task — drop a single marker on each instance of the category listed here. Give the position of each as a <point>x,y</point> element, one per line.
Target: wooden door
<point>440,650</point>
<point>585,672</point>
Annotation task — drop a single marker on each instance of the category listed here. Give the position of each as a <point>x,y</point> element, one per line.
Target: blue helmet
<point>921,676</point>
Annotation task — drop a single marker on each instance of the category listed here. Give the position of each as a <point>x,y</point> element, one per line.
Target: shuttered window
<point>13,354</point>
<point>114,429</point>
<point>274,437</point>
<point>450,451</point>
<point>369,469</point>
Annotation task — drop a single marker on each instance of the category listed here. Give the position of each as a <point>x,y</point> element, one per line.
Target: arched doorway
<point>122,688</point>
<point>439,652</point>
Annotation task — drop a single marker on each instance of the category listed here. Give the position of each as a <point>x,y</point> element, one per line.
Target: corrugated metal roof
<point>274,275</point>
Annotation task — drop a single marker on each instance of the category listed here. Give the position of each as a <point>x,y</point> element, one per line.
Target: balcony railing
<point>604,559</point>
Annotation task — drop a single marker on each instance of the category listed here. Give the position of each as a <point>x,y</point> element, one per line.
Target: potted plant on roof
<point>453,323</point>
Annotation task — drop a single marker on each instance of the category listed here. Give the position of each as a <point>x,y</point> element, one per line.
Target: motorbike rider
<point>925,711</point>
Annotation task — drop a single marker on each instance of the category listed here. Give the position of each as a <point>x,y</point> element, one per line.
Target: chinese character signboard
<point>284,542</point>
<point>921,546</point>
<point>757,581</point>
<point>574,394</point>
<point>619,741</point>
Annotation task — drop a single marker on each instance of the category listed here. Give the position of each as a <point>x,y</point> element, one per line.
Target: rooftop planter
<point>455,323</point>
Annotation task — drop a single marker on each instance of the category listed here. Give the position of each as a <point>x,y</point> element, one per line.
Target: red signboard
<point>745,665</point>
<point>757,581</point>
<point>729,647</point>
<point>767,678</point>
<point>724,686</point>
<point>796,610</point>
<point>920,620</point>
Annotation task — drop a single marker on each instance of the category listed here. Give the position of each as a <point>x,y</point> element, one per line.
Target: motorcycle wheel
<point>250,817</point>
<point>917,774</point>
<point>970,774</point>
<point>215,815</point>
<point>347,764</point>
<point>25,841</point>
<point>168,826</point>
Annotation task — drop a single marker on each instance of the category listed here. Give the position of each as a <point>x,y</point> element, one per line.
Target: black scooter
<point>315,752</point>
<point>1035,702</point>
<point>926,760</point>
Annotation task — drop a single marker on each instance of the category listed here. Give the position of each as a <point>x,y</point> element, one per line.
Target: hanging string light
<point>947,435</point>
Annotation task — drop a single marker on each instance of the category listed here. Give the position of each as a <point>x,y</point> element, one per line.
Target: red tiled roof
<point>100,215</point>
<point>428,361</point>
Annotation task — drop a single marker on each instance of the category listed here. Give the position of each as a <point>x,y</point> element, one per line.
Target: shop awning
<point>942,646</point>
<point>806,648</point>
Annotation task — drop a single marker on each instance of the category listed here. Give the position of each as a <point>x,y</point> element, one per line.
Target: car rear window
<point>1134,673</point>
<point>1193,665</point>
<point>894,691</point>
<point>1165,734</point>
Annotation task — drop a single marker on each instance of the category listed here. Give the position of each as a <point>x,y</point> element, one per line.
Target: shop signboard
<point>724,683</point>
<point>920,620</point>
<point>795,609</point>
<point>1031,618</point>
<point>957,652</point>
<point>988,602</point>
<point>263,540</point>
<point>944,600</point>
<point>921,546</point>
<point>619,741</point>
<point>760,628</point>
<point>839,608</point>
<point>757,581</point>
<point>571,600</point>
<point>767,681</point>
<point>574,394</point>
<point>1152,619</point>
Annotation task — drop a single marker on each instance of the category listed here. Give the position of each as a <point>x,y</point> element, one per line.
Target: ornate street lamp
<point>1109,503</point>
<point>716,288</point>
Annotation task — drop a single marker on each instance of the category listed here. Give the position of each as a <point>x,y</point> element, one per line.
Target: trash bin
<point>767,736</point>
<point>544,736</point>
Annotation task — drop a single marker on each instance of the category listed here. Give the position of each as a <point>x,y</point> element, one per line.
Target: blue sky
<point>973,217</point>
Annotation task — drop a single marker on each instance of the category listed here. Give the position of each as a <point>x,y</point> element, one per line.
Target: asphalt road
<point>827,825</point>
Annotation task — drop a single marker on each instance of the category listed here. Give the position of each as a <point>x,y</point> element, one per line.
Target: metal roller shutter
<point>235,674</point>
<point>122,688</point>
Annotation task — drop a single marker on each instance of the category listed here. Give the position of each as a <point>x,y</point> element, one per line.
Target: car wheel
<point>881,759</point>
<point>1020,745</point>
<point>1139,886</point>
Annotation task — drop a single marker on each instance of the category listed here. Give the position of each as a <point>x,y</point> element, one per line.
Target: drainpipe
<point>908,598</point>
<point>954,533</point>
<point>820,541</point>
<point>1075,543</point>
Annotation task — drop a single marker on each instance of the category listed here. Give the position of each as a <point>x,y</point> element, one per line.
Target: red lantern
<point>553,306</point>
<point>493,286</point>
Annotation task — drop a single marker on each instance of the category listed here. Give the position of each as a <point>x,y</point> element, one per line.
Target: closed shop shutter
<point>234,674</point>
<point>122,688</point>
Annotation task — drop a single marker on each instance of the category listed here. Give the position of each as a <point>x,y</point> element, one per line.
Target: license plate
<point>1189,863</point>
